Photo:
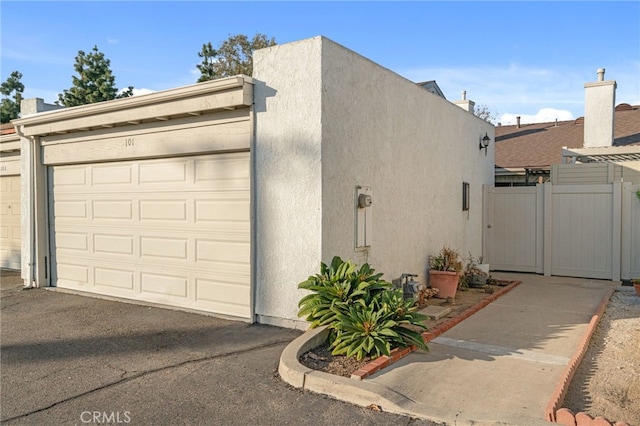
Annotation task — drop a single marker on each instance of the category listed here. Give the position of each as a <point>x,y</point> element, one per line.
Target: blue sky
<point>518,58</point>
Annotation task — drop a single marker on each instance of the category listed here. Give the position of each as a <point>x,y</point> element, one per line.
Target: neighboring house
<point>432,87</point>
<point>11,186</point>
<point>224,195</point>
<point>526,153</point>
<point>584,221</point>
<point>9,197</point>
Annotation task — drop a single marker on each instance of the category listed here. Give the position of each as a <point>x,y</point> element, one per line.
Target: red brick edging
<point>564,416</point>
<point>399,353</point>
<point>553,412</point>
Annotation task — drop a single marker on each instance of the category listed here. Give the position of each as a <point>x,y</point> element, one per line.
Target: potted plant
<point>476,273</point>
<point>636,285</point>
<point>444,272</point>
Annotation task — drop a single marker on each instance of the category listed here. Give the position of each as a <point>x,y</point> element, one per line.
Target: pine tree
<point>234,56</point>
<point>11,91</point>
<point>94,81</point>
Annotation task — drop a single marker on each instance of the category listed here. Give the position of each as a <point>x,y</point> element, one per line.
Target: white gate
<point>590,231</point>
<point>513,228</point>
<point>582,237</point>
<point>630,225</point>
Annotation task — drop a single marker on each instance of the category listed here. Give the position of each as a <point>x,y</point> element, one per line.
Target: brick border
<point>565,417</point>
<point>399,353</point>
<point>557,398</point>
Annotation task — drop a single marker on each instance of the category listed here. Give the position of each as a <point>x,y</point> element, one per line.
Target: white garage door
<point>10,222</point>
<point>172,231</point>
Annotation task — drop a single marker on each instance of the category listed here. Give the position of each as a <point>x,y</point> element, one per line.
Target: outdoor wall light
<point>484,143</point>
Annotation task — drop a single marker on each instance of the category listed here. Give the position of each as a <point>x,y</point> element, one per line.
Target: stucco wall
<point>327,120</point>
<point>287,190</point>
<point>414,149</point>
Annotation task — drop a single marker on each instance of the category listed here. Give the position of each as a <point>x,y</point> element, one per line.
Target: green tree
<point>94,82</point>
<point>11,91</point>
<point>234,56</point>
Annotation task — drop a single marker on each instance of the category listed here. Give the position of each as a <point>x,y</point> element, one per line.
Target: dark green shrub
<point>365,315</point>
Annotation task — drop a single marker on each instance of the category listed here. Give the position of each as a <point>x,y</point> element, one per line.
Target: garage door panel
<point>163,172</point>
<point>69,178</point>
<point>119,278</point>
<point>157,247</point>
<point>222,251</point>
<point>221,211</point>
<point>10,238</point>
<point>165,285</point>
<point>221,169</point>
<point>113,243</point>
<point>75,274</point>
<point>112,174</point>
<point>72,241</point>
<point>227,298</point>
<point>71,209</point>
<point>154,231</point>
<point>113,209</point>
<point>175,210</point>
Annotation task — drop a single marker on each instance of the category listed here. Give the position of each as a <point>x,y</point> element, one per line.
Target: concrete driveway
<point>71,360</point>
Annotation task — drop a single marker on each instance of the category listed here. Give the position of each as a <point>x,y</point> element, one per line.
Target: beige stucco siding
<point>414,149</point>
<point>327,120</point>
<point>288,185</point>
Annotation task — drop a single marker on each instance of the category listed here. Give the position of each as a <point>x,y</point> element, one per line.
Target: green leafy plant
<point>338,285</point>
<point>447,259</point>
<point>365,315</point>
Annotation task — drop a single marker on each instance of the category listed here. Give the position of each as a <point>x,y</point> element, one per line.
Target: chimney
<point>32,106</point>
<point>517,122</point>
<point>599,112</point>
<point>466,104</point>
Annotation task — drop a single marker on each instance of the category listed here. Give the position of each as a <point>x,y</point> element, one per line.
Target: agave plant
<point>375,329</point>
<point>364,332</point>
<point>336,288</point>
<point>365,315</point>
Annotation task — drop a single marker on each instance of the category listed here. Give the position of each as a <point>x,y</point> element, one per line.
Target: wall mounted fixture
<point>364,217</point>
<point>465,196</point>
<point>484,143</point>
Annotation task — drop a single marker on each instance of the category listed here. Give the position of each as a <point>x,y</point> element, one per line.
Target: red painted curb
<point>399,353</point>
<point>557,397</point>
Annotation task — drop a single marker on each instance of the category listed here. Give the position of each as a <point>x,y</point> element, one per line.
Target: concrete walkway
<point>502,365</point>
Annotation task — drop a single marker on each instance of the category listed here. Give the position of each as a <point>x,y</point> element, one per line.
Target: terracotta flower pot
<point>445,281</point>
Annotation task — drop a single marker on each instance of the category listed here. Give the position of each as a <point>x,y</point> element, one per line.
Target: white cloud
<point>512,88</point>
<point>142,91</point>
<point>545,115</point>
<point>537,94</point>
<point>112,40</point>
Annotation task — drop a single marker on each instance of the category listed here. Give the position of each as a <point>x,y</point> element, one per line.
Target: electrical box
<point>364,217</point>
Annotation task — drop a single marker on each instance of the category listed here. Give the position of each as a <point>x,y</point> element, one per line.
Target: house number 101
<point>128,142</point>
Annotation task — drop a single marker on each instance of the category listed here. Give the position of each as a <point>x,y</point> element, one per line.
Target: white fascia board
<point>225,93</point>
<point>612,150</point>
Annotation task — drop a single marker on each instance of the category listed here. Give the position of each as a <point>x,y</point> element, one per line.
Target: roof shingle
<point>540,145</point>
